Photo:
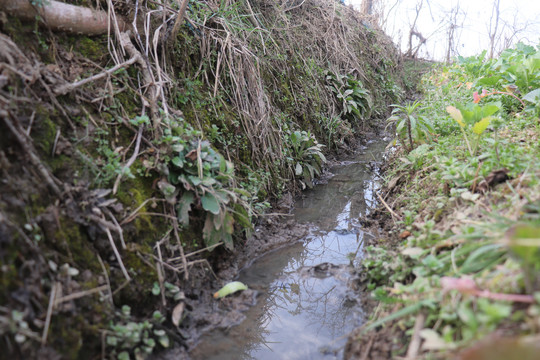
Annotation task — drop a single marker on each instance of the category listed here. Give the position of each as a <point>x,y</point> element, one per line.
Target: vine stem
<point>467,141</point>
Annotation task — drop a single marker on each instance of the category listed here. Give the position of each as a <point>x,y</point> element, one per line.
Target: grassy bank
<point>462,205</point>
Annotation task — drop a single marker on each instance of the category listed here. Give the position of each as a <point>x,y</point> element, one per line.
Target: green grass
<point>458,232</point>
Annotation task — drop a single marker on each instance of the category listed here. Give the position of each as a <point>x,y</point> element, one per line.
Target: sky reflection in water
<point>306,314</point>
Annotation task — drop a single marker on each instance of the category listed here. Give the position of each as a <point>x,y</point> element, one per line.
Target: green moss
<point>9,278</point>
<point>129,102</point>
<point>74,244</point>
<point>133,193</point>
<point>143,273</point>
<point>78,336</point>
<point>66,335</point>
<point>92,48</point>
<point>21,32</point>
<point>44,129</point>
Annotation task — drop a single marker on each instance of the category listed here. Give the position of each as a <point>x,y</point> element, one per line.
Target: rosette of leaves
<point>305,153</point>
<point>135,340</point>
<point>473,118</point>
<point>355,99</point>
<point>198,176</point>
<point>410,128</point>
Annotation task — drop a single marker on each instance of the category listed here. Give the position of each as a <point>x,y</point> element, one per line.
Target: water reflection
<point>303,311</point>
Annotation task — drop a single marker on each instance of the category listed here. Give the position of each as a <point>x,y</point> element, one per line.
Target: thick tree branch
<point>63,17</point>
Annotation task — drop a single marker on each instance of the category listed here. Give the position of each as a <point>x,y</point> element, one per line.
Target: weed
<point>410,126</point>
<point>128,338</point>
<point>198,176</point>
<point>305,155</point>
<point>355,99</point>
<point>479,241</point>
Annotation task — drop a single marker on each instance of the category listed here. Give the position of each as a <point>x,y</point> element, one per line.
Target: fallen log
<point>59,16</point>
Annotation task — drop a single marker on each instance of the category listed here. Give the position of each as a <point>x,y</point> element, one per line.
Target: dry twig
<point>117,254</point>
<point>414,345</point>
<point>64,89</point>
<point>151,100</point>
<point>26,144</point>
<point>182,256</point>
<point>388,207</point>
<point>50,309</point>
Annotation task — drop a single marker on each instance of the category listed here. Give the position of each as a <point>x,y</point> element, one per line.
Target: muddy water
<point>305,308</point>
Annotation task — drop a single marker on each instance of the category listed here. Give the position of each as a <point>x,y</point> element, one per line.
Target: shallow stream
<point>305,308</point>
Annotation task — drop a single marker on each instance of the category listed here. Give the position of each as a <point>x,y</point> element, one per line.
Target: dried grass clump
<point>265,47</point>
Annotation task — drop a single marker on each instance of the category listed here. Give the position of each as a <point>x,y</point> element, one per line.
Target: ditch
<point>304,303</point>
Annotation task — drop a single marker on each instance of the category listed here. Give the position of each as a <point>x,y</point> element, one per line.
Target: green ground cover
<point>464,191</point>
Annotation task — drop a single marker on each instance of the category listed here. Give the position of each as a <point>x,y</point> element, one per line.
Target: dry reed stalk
<point>117,254</point>
<point>239,69</point>
<point>62,90</point>
<point>50,308</point>
<point>160,272</point>
<point>80,294</point>
<point>182,255</point>
<point>107,279</point>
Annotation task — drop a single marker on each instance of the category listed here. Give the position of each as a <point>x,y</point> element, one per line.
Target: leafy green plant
<point>410,126</point>
<point>523,240</point>
<point>199,177</point>
<point>335,128</point>
<point>475,65</point>
<point>459,173</point>
<point>383,268</point>
<point>534,98</point>
<point>355,99</point>
<point>128,338</point>
<point>171,291</point>
<point>519,66</point>
<point>473,118</point>
<point>305,155</point>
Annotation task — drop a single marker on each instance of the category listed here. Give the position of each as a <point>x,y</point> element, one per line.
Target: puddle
<point>305,308</point>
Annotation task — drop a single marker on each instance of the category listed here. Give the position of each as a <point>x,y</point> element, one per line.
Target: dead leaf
<point>499,348</point>
<point>405,234</point>
<point>413,252</point>
<point>394,182</point>
<point>192,155</point>
<point>433,341</point>
<point>469,196</point>
<point>177,313</point>
<point>494,178</point>
<point>54,68</point>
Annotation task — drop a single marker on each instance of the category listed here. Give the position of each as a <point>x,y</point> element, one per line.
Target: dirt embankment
<point>135,164</point>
